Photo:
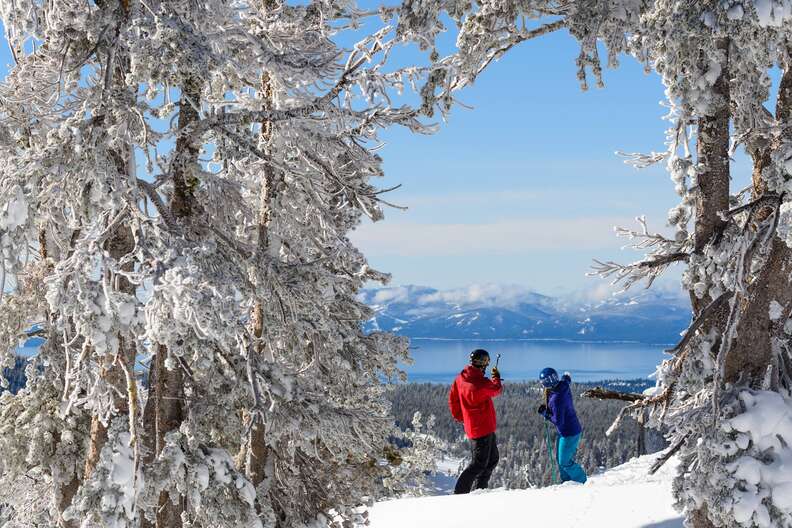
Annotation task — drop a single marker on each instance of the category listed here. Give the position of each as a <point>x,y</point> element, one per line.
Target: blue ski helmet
<point>548,377</point>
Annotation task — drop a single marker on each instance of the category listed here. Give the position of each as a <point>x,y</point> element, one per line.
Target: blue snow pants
<point>567,467</point>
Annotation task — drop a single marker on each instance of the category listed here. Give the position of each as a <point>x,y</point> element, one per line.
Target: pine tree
<point>176,188</point>
<point>733,362</point>
<point>177,185</point>
<point>733,365</point>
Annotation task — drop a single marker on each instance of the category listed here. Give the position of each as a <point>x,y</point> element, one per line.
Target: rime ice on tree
<point>176,188</point>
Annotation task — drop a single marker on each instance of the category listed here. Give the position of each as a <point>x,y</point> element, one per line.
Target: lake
<point>439,361</point>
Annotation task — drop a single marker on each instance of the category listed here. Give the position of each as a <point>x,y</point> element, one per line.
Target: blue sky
<point>526,187</point>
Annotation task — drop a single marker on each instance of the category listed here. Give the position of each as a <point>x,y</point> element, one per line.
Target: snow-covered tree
<point>176,187</point>
<point>725,394</point>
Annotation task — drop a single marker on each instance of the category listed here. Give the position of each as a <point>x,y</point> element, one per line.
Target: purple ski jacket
<point>561,410</point>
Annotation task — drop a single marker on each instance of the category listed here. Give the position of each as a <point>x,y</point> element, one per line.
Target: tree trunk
<point>65,495</point>
<point>712,152</point>
<point>186,154</point>
<point>712,198</point>
<point>150,439</point>
<point>751,354</point>
<point>114,368</point>
<point>98,440</point>
<point>257,450</point>
<point>641,440</point>
<point>699,519</point>
<point>169,414</point>
<point>120,244</point>
<point>165,406</point>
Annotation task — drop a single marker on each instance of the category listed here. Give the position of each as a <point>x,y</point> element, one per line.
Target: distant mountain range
<point>504,312</point>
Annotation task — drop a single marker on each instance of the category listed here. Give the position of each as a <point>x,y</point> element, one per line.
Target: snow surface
<point>623,497</point>
<point>764,472</point>
<point>450,465</point>
<point>447,470</point>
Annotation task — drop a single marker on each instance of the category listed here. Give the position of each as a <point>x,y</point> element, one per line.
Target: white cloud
<point>668,288</point>
<point>599,292</point>
<point>386,295</point>
<point>511,237</point>
<point>481,295</point>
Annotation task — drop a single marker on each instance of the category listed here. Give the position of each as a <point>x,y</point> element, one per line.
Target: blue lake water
<point>439,361</point>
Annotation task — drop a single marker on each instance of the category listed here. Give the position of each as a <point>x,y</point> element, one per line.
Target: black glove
<point>544,411</point>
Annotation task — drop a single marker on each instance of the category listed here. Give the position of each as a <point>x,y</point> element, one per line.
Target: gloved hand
<point>496,373</point>
<point>544,411</point>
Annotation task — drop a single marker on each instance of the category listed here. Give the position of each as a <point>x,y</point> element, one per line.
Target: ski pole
<point>497,359</point>
<point>550,453</point>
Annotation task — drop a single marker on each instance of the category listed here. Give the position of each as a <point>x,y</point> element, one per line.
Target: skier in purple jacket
<point>560,410</point>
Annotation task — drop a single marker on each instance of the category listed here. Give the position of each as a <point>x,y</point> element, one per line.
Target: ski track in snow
<point>623,497</point>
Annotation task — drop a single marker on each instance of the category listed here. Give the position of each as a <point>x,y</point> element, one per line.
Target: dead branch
<point>617,422</point>
<point>663,260</point>
<point>754,203</point>
<point>598,393</point>
<point>705,315</point>
<point>668,454</point>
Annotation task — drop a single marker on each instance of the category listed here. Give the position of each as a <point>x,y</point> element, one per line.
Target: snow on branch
<point>662,252</point>
<point>670,452</point>
<point>765,199</point>
<point>642,161</point>
<point>705,317</point>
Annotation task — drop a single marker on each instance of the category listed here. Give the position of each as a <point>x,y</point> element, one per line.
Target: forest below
<point>521,432</point>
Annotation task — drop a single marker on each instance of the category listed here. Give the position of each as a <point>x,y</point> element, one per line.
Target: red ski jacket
<point>470,401</point>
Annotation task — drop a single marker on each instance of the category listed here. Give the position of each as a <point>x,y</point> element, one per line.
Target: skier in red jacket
<point>470,401</point>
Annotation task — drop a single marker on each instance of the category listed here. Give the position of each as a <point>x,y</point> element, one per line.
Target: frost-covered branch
<point>704,318</point>
<point>670,452</point>
<point>662,252</point>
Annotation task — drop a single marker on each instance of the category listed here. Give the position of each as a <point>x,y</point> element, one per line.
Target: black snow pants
<point>485,458</point>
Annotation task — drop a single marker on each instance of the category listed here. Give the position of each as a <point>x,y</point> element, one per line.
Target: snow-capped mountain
<point>513,312</point>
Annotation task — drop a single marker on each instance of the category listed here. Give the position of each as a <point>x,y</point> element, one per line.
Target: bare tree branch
<point>668,454</point>
<point>774,198</point>
<point>706,314</point>
<point>598,393</point>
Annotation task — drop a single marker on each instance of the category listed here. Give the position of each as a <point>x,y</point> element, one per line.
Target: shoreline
<point>541,340</point>
<point>593,383</point>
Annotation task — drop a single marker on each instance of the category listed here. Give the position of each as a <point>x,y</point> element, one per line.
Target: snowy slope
<point>623,497</point>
